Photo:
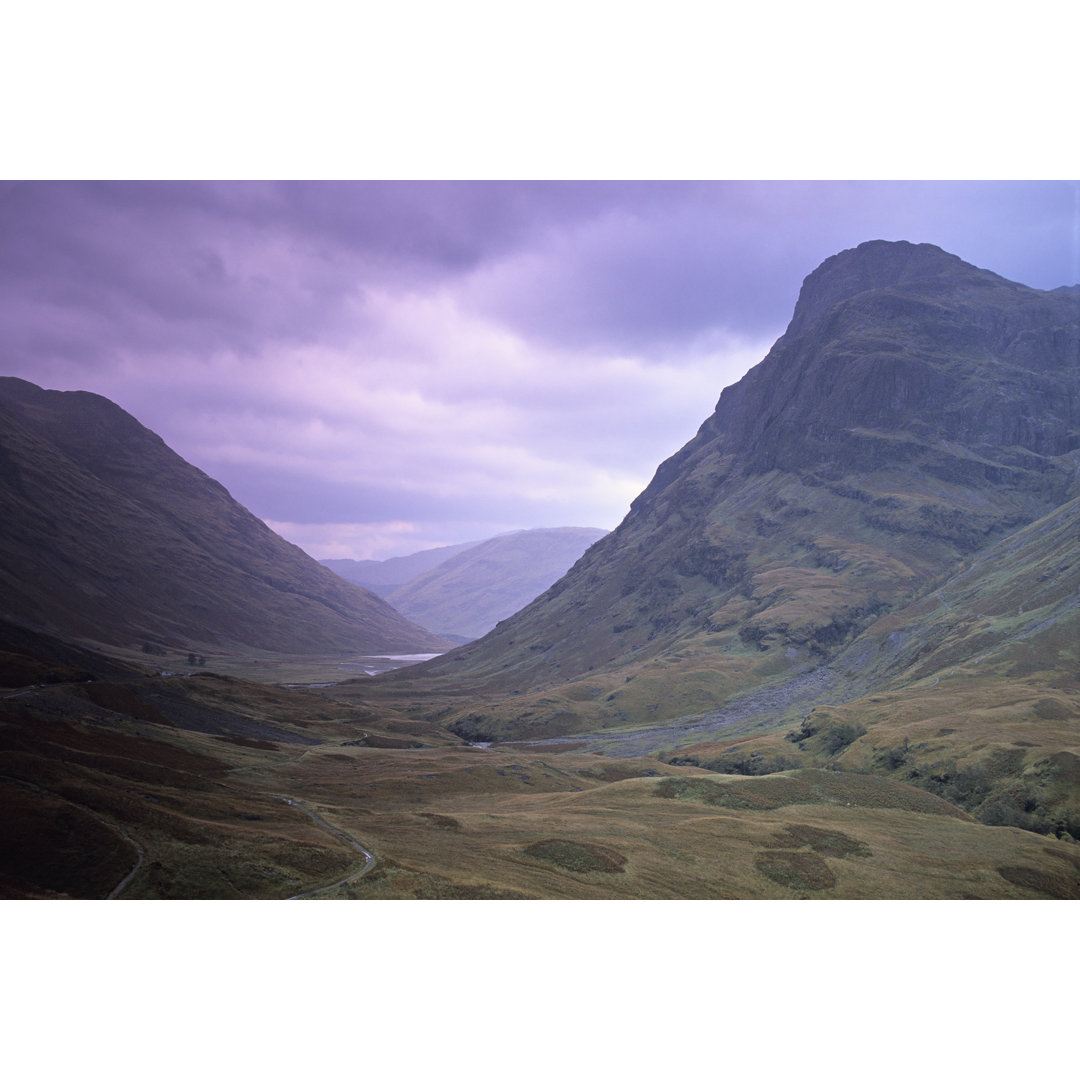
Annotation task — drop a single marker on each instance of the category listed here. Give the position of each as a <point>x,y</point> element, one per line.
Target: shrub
<point>473,728</point>
<point>738,763</point>
<point>799,870</point>
<point>834,736</point>
<point>840,737</point>
<point>577,857</point>
<point>891,757</point>
<point>806,731</point>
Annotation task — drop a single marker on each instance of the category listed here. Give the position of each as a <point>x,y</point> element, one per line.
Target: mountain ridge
<point>383,576</point>
<point>469,593</point>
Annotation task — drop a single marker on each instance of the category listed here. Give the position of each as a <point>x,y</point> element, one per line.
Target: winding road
<point>139,851</point>
<point>369,859</point>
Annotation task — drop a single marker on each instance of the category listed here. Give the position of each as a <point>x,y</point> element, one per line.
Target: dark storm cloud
<point>158,267</point>
<point>90,268</point>
<point>647,272</point>
<point>147,264</point>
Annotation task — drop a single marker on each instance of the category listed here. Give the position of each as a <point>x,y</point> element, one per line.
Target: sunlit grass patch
<point>392,881</point>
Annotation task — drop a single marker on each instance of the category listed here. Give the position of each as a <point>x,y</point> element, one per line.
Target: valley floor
<point>212,787</point>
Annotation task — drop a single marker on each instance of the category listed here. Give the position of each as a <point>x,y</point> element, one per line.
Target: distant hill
<point>106,534</point>
<point>383,576</point>
<point>466,595</point>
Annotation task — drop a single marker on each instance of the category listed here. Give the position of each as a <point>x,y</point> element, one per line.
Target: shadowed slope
<point>107,534</point>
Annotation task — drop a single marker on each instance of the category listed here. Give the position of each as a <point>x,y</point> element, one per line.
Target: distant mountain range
<point>467,594</point>
<point>383,576</point>
<point>106,534</point>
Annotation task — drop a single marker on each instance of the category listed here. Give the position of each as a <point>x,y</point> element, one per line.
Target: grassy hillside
<point>972,692</point>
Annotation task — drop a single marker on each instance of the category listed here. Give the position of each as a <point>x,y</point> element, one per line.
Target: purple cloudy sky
<point>375,368</point>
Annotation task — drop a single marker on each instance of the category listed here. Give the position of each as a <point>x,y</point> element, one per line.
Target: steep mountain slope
<point>916,411</point>
<point>383,576</point>
<point>107,534</point>
<point>465,596</point>
<point>1012,610</point>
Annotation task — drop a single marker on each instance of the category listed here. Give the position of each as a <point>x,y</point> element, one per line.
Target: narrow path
<point>140,853</point>
<point>369,859</point>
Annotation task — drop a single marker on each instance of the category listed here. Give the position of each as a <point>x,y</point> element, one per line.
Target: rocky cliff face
<point>902,338</point>
<point>107,534</point>
<point>916,410</point>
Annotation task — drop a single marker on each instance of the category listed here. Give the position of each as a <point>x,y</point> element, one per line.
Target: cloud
<point>432,410</point>
<point>393,364</point>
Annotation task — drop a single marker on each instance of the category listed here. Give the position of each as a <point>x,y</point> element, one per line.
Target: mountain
<point>466,595</point>
<point>832,652</point>
<point>383,576</point>
<point>106,534</point>
<point>917,412</point>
